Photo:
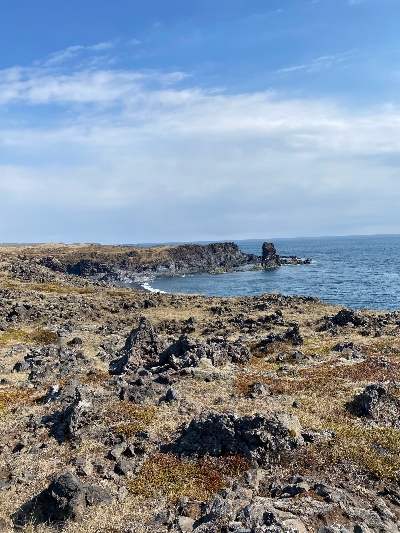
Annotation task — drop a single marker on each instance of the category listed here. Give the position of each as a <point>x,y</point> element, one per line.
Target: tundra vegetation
<point>127,411</point>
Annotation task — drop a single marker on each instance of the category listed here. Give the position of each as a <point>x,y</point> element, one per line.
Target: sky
<point>153,121</point>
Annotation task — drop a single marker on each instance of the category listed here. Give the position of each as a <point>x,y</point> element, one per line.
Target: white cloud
<point>57,58</point>
<point>100,46</point>
<point>186,162</point>
<point>318,63</point>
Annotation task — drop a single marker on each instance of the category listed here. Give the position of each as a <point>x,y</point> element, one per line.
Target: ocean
<point>355,271</point>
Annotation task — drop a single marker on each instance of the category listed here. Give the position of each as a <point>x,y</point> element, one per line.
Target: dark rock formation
<point>299,504</point>
<point>65,498</point>
<point>290,335</point>
<point>379,404</point>
<point>143,345</point>
<point>69,422</point>
<point>144,348</point>
<point>269,257</point>
<point>347,316</point>
<point>126,262</point>
<point>255,436</point>
<point>187,352</point>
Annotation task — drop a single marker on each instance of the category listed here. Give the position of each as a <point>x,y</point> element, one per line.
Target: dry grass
<point>96,379</point>
<point>55,288</point>
<point>130,419</point>
<point>169,476</point>
<point>37,336</point>
<point>377,450</point>
<point>323,378</point>
<point>13,399</point>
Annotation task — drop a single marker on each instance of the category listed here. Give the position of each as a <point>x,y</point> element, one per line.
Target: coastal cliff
<point>127,263</point>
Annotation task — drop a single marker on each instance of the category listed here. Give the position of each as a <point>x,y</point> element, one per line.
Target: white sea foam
<point>149,288</point>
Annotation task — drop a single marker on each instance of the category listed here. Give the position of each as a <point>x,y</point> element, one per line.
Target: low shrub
<point>172,477</point>
<point>130,419</point>
<point>38,336</point>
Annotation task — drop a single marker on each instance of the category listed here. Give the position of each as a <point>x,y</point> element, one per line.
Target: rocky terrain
<point>127,411</point>
<point>133,263</point>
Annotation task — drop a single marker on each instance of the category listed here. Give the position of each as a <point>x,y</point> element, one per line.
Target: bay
<point>354,271</point>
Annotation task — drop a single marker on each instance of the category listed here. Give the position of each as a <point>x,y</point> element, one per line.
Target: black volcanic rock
<point>170,261</point>
<point>256,436</point>
<point>269,259</point>
<point>142,345</point>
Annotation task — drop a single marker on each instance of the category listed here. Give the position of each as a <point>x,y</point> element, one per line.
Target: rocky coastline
<point>128,412</point>
<point>133,263</point>
<point>139,265</point>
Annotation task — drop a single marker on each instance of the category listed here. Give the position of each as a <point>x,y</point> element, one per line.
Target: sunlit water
<point>358,272</point>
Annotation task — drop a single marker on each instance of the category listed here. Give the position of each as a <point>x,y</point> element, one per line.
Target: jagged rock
<point>172,395</point>
<point>349,350</point>
<point>379,404</point>
<point>118,450</point>
<point>185,524</point>
<point>259,389</point>
<point>347,316</point>
<point>256,436</point>
<point>76,341</point>
<point>123,467</point>
<point>292,334</point>
<point>82,466</point>
<point>123,492</point>
<point>143,391</point>
<point>21,366</point>
<point>188,351</point>
<point>142,345</point>
<point>65,498</point>
<point>73,420</point>
<point>269,257</point>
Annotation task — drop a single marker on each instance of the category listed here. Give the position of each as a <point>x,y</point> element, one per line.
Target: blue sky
<point>150,121</point>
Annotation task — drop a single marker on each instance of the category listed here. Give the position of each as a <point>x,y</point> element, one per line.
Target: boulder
<point>255,436</point>
<point>142,345</point>
<point>378,403</point>
<point>187,352</point>
<point>66,498</point>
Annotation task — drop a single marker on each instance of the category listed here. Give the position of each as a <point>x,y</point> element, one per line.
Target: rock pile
<point>65,498</point>
<point>258,436</point>
<point>380,404</point>
<point>301,504</point>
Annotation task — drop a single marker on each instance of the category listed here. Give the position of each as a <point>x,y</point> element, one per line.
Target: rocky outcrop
<point>65,498</point>
<point>270,259</point>
<point>126,263</point>
<point>144,348</point>
<point>300,504</point>
<point>187,352</point>
<point>142,345</point>
<point>137,264</point>
<point>256,436</point>
<point>380,404</point>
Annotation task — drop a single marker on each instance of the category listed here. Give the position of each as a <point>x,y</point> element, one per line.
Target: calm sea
<point>357,271</point>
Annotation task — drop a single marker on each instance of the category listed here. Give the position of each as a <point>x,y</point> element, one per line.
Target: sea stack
<point>269,259</point>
